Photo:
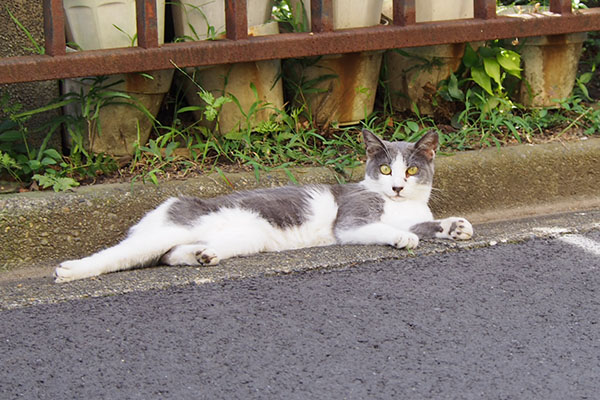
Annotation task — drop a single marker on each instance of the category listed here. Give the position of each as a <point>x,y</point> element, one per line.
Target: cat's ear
<point>373,144</point>
<point>427,145</point>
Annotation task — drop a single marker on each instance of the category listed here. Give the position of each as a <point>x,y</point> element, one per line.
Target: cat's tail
<point>147,242</point>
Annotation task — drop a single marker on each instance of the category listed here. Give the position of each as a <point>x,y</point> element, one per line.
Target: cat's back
<point>283,207</point>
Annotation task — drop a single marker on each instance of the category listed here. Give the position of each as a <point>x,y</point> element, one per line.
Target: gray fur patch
<point>356,206</point>
<point>427,229</point>
<point>282,207</point>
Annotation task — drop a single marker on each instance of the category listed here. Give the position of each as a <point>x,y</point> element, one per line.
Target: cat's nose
<point>397,189</point>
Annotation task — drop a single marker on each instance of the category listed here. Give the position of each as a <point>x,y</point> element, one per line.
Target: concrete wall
<point>14,42</point>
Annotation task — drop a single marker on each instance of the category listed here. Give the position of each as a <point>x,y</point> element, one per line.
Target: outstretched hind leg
<point>147,242</point>
<point>138,250</point>
<point>130,253</point>
<point>190,254</point>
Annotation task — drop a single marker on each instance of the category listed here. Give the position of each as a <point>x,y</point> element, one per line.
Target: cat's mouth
<point>396,197</point>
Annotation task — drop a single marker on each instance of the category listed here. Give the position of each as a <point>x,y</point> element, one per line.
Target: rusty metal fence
<point>148,55</point>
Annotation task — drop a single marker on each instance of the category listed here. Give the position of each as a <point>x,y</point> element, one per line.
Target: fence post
<point>236,19</point>
<point>147,23</point>
<point>404,12</point>
<point>321,15</point>
<point>485,9</point>
<point>560,6</point>
<point>54,27</point>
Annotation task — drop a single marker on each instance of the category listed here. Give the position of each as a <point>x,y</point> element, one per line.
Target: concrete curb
<point>41,229</point>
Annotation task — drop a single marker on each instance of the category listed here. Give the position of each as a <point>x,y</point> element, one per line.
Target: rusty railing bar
<point>54,28</point>
<point>404,12</point>
<point>147,23</point>
<point>291,45</point>
<point>321,14</point>
<point>561,6</point>
<point>484,9</point>
<point>236,19</point>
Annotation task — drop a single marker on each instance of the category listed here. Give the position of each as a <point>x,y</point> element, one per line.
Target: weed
<point>211,32</point>
<point>36,47</point>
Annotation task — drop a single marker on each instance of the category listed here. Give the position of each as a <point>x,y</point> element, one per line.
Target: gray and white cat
<point>388,207</point>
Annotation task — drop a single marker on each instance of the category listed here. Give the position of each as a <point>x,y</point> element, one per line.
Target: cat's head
<point>400,170</point>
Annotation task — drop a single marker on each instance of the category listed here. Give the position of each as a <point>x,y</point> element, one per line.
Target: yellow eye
<point>412,171</point>
<point>385,169</point>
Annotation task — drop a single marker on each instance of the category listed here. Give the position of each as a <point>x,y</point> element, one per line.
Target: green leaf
<point>482,79</point>
<point>470,58</point>
<point>510,61</point>
<point>453,89</point>
<point>235,135</point>
<point>586,77</point>
<point>487,51</point>
<point>48,161</point>
<point>413,126</point>
<point>188,108</point>
<point>53,154</point>
<point>207,96</point>
<point>584,90</point>
<point>57,183</point>
<point>220,101</point>
<point>492,68</point>
<point>170,148</point>
<point>34,164</point>
<point>10,136</point>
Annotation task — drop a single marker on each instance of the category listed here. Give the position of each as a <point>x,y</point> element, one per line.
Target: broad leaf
<point>492,68</point>
<point>470,58</point>
<point>482,79</point>
<point>510,61</point>
<point>10,136</point>
<point>453,89</point>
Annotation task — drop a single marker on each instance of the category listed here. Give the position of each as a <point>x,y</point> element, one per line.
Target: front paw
<point>68,271</point>
<point>456,229</point>
<point>406,240</point>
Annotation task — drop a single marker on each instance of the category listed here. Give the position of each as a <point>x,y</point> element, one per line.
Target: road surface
<point>507,321</point>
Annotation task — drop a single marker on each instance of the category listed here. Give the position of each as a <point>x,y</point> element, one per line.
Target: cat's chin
<point>396,198</point>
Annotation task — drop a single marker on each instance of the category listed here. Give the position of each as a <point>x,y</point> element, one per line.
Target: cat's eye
<point>412,171</point>
<point>385,169</point>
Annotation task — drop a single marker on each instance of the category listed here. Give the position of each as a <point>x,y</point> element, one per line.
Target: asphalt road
<point>510,321</point>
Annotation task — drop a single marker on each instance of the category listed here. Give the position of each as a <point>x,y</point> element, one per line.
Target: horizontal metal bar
<point>291,45</point>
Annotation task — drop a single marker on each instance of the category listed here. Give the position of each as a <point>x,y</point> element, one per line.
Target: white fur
<point>232,231</point>
<point>223,234</point>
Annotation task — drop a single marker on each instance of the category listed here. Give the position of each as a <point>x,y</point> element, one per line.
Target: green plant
<point>132,38</point>
<point>488,67</point>
<point>289,19</point>
<point>305,77</point>
<point>22,162</point>
<point>36,47</point>
<point>211,32</point>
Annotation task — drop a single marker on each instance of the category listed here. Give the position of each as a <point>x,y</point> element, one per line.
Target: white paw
<point>207,257</point>
<point>70,271</point>
<point>406,240</point>
<point>456,228</point>
<point>190,254</point>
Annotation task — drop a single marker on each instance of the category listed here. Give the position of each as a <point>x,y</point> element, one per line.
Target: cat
<point>388,207</point>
